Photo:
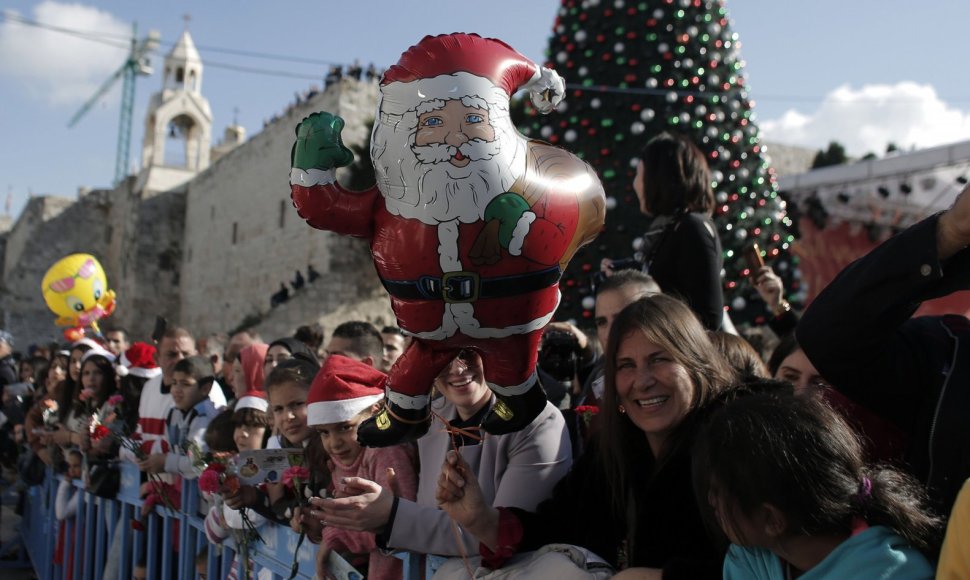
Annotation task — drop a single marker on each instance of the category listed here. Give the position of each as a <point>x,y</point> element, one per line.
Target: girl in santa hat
<point>345,393</point>
<point>286,388</point>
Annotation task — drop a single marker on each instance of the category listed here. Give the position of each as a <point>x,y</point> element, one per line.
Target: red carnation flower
<point>99,432</point>
<point>209,481</point>
<point>295,476</point>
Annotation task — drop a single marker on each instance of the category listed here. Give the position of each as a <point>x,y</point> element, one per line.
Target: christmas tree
<point>636,69</point>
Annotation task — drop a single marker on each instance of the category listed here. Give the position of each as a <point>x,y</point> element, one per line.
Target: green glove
<point>318,144</point>
<point>507,209</point>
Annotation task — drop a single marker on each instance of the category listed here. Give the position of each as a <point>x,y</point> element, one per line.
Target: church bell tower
<point>178,123</point>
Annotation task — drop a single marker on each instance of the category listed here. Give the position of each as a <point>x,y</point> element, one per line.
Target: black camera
<point>559,355</point>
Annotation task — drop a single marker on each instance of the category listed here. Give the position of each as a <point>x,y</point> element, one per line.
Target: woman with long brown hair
<point>628,499</point>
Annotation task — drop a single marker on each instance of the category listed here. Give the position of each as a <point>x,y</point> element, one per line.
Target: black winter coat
<point>912,372</point>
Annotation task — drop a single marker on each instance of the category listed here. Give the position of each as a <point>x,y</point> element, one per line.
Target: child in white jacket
<point>251,429</point>
<point>187,421</point>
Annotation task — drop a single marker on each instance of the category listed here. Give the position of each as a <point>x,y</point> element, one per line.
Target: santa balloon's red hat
<point>342,389</point>
<point>451,66</point>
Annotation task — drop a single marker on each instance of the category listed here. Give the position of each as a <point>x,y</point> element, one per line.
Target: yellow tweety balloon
<point>76,290</point>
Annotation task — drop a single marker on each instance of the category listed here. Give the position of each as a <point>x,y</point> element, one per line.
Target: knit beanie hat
<point>343,388</point>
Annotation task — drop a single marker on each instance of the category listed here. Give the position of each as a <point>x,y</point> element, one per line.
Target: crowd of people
<point>677,450</point>
<point>334,75</point>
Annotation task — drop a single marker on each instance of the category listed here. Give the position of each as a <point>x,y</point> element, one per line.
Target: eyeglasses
<point>65,284</point>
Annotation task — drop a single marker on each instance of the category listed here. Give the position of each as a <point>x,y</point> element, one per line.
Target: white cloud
<point>867,119</point>
<point>60,68</point>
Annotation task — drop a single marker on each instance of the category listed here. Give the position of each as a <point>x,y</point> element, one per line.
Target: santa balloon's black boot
<point>393,425</point>
<point>512,413</point>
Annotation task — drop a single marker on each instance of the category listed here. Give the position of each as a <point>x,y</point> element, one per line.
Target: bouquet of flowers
<point>111,425</point>
<point>220,477</point>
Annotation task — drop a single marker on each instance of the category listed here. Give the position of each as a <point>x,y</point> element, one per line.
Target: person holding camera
<point>682,250</point>
<point>566,358</point>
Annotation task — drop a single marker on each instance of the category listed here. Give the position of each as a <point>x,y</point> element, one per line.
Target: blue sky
<point>863,72</point>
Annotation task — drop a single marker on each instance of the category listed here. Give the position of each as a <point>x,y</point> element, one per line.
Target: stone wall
<point>243,237</point>
<point>149,257</point>
<point>325,302</point>
<point>49,229</point>
<point>37,211</point>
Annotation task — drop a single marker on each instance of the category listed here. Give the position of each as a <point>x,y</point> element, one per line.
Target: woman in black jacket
<point>629,498</point>
<point>682,250</point>
<point>913,372</point>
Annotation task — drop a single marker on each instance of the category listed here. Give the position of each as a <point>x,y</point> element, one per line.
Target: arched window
<point>181,146</point>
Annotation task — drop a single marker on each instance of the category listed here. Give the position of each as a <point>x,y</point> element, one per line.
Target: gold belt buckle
<point>457,278</point>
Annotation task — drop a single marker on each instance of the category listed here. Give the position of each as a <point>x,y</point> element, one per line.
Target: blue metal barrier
<point>99,520</point>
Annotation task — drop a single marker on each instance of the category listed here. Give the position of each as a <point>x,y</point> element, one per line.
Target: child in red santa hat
<point>345,393</point>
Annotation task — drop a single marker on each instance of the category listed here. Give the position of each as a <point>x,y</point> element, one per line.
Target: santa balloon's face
<point>448,130</point>
<point>447,159</point>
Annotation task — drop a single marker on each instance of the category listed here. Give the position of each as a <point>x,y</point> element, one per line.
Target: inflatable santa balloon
<point>470,223</point>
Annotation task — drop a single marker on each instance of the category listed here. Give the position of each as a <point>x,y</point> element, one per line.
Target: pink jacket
<point>373,464</point>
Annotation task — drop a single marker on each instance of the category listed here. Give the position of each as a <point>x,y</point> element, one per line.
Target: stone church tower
<point>178,124</point>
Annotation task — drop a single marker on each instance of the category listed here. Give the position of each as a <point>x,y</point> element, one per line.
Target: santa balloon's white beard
<point>435,191</point>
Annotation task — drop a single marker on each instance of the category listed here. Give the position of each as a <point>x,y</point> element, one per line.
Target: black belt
<point>461,287</point>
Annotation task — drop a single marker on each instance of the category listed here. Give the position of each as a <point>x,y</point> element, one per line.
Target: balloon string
<point>453,434</point>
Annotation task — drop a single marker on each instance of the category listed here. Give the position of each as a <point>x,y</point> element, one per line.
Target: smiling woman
<point>634,484</point>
